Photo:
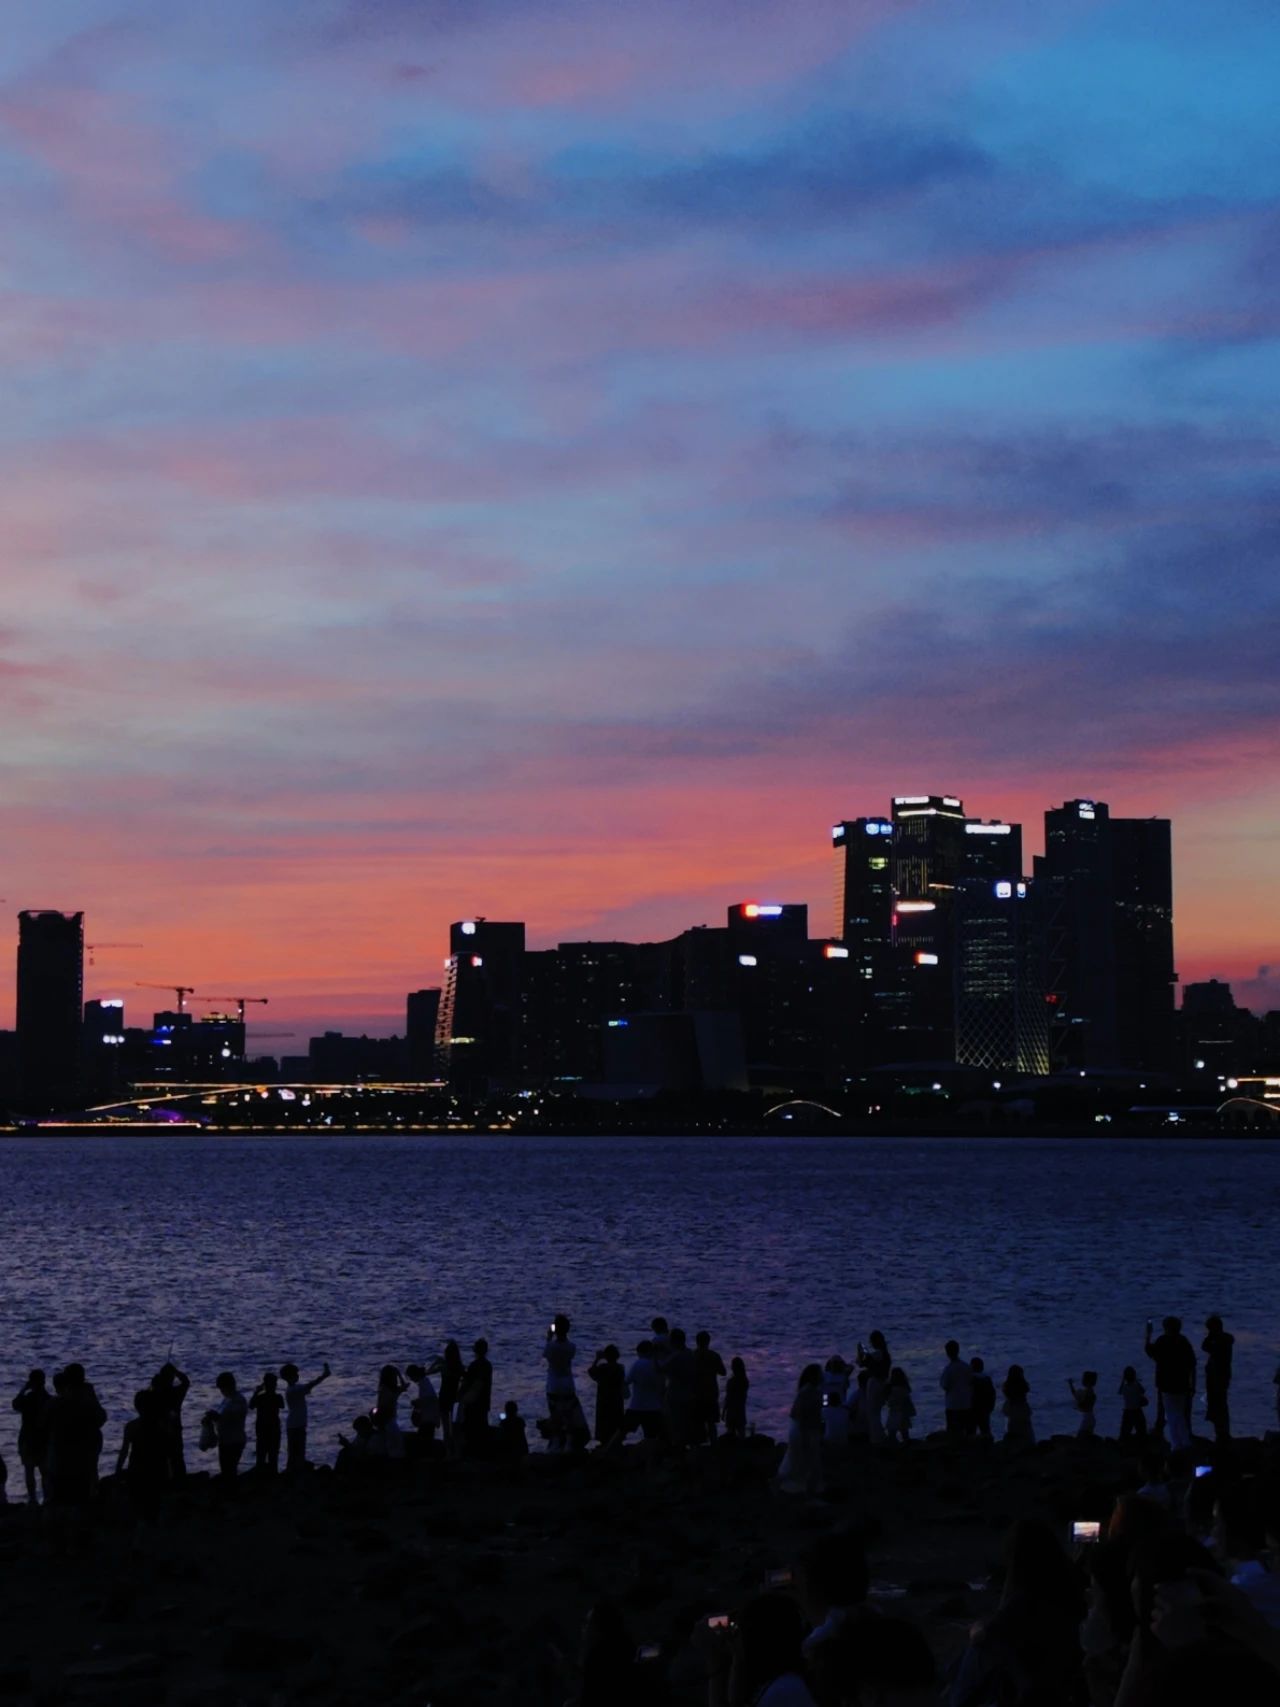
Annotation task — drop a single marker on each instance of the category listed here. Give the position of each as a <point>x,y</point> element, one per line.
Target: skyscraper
<point>1142,892</point>
<point>1106,892</point>
<point>477,1031</point>
<point>422,1011</point>
<point>929,846</point>
<point>1075,891</point>
<point>50,1005</point>
<point>864,919</point>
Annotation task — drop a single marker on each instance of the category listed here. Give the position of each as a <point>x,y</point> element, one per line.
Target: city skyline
<point>553,462</point>
<point>1021,854</point>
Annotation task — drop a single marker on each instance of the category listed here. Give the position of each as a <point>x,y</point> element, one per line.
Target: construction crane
<point>93,947</point>
<point>181,991</point>
<point>242,1002</point>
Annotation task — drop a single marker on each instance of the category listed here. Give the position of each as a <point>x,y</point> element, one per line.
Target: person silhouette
<point>512,1436</point>
<point>475,1399</point>
<point>32,1405</point>
<point>983,1401</point>
<point>230,1418</point>
<point>562,1396</point>
<point>956,1382</point>
<point>266,1404</point>
<point>801,1467</point>
<point>1086,1400</point>
<point>1175,1372</point>
<point>424,1412</point>
<point>1218,1346</point>
<point>76,1420</point>
<point>708,1372</point>
<point>449,1369</point>
<point>1017,1406</point>
<point>172,1387</point>
<point>610,1378</point>
<point>145,1458</point>
<point>874,1357</point>
<point>1133,1401</point>
<point>680,1374</point>
<point>899,1407</point>
<point>736,1389</point>
<point>296,1393</point>
<point>391,1384</point>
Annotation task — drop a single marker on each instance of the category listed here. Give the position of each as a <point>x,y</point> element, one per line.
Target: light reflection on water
<point>242,1252</point>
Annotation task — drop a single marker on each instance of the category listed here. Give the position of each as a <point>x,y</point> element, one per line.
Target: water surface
<point>239,1253</point>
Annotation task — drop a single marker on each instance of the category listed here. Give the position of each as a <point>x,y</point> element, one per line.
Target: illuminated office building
<point>477,1031</point>
<point>929,846</point>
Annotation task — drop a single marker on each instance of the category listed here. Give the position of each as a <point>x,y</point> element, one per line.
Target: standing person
<point>899,1407</point>
<point>680,1374</point>
<point>875,1359</point>
<point>611,1383</point>
<point>1133,1401</point>
<point>1217,1347</point>
<point>644,1395</point>
<point>736,1389</point>
<point>1017,1406</point>
<point>32,1405</point>
<point>75,1438</point>
<point>475,1399</point>
<point>1175,1363</point>
<point>172,1386</point>
<point>296,1392</point>
<point>230,1417</point>
<point>146,1456</point>
<point>266,1404</point>
<point>984,1399</point>
<point>562,1396</point>
<point>835,1396</point>
<point>450,1369</point>
<point>708,1375</point>
<point>660,1340</point>
<point>801,1469</point>
<point>956,1382</point>
<point>424,1411</point>
<point>1085,1397</point>
<point>391,1384</point>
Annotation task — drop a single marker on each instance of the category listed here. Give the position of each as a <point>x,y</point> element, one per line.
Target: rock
<point>111,1668</point>
<point>251,1647</point>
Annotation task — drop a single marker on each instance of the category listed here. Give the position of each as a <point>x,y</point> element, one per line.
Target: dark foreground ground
<point>463,1583</point>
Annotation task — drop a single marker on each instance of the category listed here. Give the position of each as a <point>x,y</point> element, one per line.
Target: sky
<point>551,459</point>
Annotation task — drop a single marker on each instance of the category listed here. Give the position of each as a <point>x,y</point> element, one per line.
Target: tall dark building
<point>422,1014</point>
<point>478,1029</point>
<point>103,1045</point>
<point>569,995</point>
<point>1105,886</point>
<point>864,920</point>
<point>1142,892</point>
<point>50,1005</point>
<point>1075,891</point>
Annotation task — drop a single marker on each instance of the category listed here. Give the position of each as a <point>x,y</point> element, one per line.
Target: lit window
<point>747,960</point>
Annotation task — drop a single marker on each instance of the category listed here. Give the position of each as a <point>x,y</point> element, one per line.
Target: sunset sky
<point>552,458</point>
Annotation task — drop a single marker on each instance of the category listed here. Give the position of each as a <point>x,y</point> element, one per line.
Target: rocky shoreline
<point>451,1583</point>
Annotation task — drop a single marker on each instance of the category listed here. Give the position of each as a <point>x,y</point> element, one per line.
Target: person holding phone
<point>563,1409</point>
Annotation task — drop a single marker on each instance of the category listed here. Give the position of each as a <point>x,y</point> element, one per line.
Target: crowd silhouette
<point>1176,1592</point>
<point>669,1394</point>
